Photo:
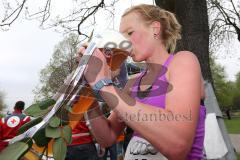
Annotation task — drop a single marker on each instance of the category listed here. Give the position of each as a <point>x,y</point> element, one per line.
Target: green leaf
<point>14,151</point>
<point>28,125</point>
<point>59,149</point>
<point>53,132</point>
<point>67,134</point>
<point>46,103</point>
<point>54,122</point>
<point>40,108</point>
<point>40,138</point>
<point>35,111</point>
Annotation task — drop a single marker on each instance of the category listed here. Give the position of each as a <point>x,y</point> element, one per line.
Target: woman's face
<point>139,34</point>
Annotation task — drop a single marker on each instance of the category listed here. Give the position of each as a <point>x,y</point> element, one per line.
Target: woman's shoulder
<point>185,55</point>
<point>184,58</point>
<point>184,61</point>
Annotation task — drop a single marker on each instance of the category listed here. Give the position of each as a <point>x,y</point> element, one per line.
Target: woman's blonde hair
<point>171,29</point>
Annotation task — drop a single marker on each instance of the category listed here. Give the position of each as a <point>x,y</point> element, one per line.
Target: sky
<point>25,49</point>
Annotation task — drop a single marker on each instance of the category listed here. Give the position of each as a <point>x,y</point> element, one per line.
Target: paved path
<point>235,138</point>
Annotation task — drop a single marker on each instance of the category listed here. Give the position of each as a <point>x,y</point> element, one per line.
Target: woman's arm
<point>106,130</point>
<point>173,137</point>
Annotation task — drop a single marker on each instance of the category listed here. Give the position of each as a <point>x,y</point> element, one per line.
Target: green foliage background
<point>227,92</point>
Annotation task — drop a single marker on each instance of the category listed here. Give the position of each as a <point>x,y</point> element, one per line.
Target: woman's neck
<point>157,60</point>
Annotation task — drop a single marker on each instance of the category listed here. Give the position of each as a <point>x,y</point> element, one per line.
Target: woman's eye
<point>130,33</point>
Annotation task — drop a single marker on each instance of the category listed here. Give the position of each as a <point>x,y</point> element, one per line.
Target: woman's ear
<point>156,27</point>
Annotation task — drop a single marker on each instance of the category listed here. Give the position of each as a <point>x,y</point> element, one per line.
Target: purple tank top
<point>156,97</point>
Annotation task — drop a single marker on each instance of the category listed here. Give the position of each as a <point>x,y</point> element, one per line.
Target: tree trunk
<point>193,16</point>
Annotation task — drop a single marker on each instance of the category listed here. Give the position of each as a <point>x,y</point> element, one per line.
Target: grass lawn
<point>238,156</point>
<point>233,125</point>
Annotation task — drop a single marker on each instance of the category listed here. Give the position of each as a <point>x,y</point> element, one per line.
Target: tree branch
<point>100,5</point>
<point>236,12</point>
<point>227,17</point>
<point>46,12</point>
<point>19,9</point>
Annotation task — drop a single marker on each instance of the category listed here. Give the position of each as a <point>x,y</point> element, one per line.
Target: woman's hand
<point>97,67</point>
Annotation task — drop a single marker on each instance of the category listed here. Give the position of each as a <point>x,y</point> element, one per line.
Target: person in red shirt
<point>10,124</point>
<point>82,146</point>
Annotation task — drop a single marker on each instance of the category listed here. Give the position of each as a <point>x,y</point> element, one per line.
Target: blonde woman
<point>161,104</point>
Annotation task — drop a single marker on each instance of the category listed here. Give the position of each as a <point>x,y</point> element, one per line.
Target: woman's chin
<point>136,59</point>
